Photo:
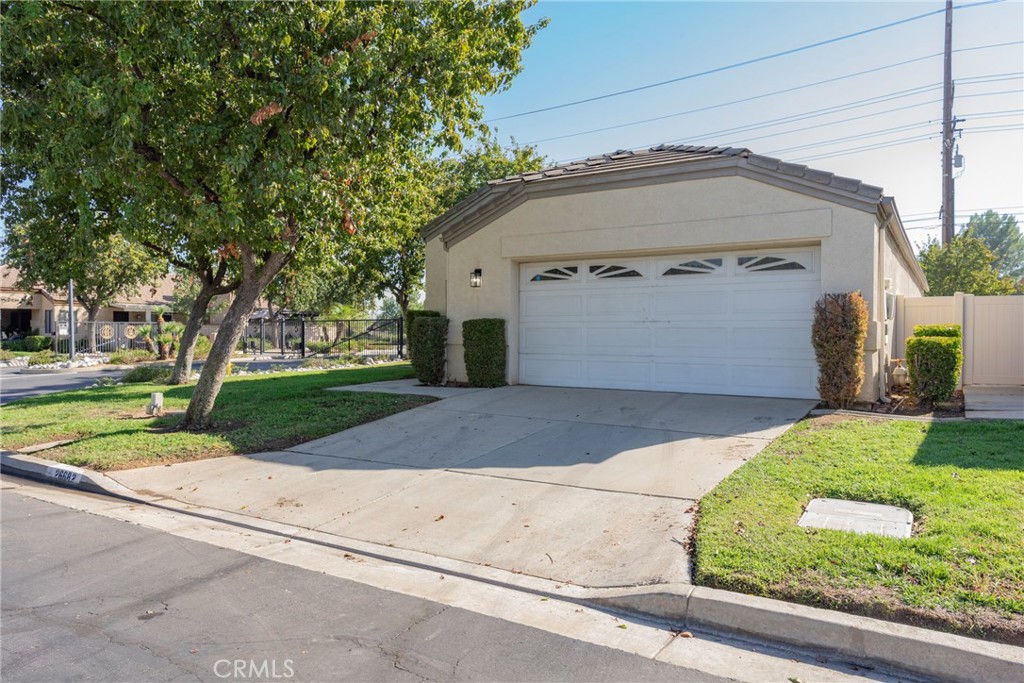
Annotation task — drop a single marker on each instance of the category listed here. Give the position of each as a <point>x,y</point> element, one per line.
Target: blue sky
<point>594,48</point>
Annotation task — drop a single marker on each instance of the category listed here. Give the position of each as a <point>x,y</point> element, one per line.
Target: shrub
<point>130,356</point>
<point>937,331</point>
<point>38,343</point>
<point>934,364</point>
<point>44,357</point>
<point>319,347</point>
<point>13,344</point>
<point>410,316</point>
<point>202,348</point>
<point>156,374</point>
<point>837,334</point>
<point>431,335</point>
<point>6,355</point>
<point>483,341</point>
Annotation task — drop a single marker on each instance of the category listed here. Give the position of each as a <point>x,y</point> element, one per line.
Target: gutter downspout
<point>883,349</point>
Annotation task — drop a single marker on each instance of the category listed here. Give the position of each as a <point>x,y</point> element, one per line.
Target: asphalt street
<point>15,386</point>
<point>91,598</point>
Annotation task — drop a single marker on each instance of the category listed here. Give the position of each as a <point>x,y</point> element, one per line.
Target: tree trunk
<point>254,281</point>
<point>187,344</point>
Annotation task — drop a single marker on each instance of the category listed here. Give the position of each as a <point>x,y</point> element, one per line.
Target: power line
<point>763,95</point>
<point>737,65</point>
<point>905,141</point>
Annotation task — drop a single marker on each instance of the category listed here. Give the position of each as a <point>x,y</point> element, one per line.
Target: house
<point>25,310</point>
<point>675,268</point>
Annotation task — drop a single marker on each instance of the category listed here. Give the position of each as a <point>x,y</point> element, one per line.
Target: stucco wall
<point>651,219</point>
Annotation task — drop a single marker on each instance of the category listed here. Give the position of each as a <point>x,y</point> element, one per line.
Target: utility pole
<point>948,124</point>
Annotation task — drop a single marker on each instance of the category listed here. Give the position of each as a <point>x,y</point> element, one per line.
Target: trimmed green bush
<point>410,316</point>
<point>202,347</point>
<point>937,331</point>
<point>431,335</point>
<point>130,356</point>
<point>934,364</point>
<point>38,343</point>
<point>44,357</point>
<point>837,334</point>
<point>13,345</point>
<point>156,374</point>
<point>483,341</point>
<point>319,346</point>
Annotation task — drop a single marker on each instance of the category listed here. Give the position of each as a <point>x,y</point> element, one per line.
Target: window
<point>702,266</point>
<point>757,264</point>
<point>121,316</point>
<point>613,271</point>
<point>48,321</point>
<point>560,273</point>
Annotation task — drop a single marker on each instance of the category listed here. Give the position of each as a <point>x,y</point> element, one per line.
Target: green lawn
<point>253,413</point>
<point>962,570</point>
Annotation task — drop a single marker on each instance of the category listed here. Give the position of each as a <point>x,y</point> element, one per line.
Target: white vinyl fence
<point>993,329</point>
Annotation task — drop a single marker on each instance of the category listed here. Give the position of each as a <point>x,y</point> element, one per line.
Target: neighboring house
<point>678,268</point>
<point>38,309</point>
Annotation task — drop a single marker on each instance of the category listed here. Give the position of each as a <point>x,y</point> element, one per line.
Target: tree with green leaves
<point>258,125</point>
<point>387,260</point>
<point>47,248</point>
<point>1002,235</point>
<point>964,265</point>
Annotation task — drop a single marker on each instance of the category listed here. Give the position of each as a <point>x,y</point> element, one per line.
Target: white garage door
<point>718,323</point>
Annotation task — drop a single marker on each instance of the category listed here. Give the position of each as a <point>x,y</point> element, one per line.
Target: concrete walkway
<point>994,403</point>
<point>593,488</point>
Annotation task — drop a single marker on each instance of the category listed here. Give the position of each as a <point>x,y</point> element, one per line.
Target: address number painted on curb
<point>66,476</point>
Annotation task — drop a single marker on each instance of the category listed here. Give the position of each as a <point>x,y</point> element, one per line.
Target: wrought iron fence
<point>104,337</point>
<point>321,336</point>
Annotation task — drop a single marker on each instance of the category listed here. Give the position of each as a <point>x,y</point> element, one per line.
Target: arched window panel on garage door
<point>692,266</point>
<point>774,263</point>
<point>605,271</point>
<point>566,273</point>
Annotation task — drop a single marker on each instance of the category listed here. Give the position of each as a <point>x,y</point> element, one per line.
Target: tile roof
<point>622,160</point>
<point>159,293</point>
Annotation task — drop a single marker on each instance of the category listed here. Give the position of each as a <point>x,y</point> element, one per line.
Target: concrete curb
<point>59,474</point>
<point>922,651</point>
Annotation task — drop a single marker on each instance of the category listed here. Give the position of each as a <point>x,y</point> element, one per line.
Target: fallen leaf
<point>194,650</point>
<point>682,634</point>
<point>622,626</point>
<point>439,518</point>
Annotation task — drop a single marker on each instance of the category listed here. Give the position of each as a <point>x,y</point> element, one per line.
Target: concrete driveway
<point>587,487</point>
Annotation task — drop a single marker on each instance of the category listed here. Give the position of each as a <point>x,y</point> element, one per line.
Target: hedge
<point>410,316</point>
<point>934,364</point>
<point>38,343</point>
<point>838,332</point>
<point>483,342</point>
<point>937,331</point>
<point>428,338</point>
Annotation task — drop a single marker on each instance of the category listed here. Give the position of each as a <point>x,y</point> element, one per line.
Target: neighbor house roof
<point>159,293</point>
<point>664,163</point>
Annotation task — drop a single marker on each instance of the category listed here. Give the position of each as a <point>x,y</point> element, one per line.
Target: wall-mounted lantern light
<point>475,277</point>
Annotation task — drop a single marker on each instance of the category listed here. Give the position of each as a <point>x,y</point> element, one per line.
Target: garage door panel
<point>551,305</point>
<point>775,302</point>
<point>558,371</point>
<point>726,329</point>
<point>797,380</point>
<point>605,340</point>
<point>781,342</point>
<point>679,376</point>
<point>604,304</point>
<point>671,341</point>
<point>616,372</point>
<point>676,304</point>
<point>544,339</point>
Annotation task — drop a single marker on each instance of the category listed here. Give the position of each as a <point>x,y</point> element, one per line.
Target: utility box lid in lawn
<point>861,518</point>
